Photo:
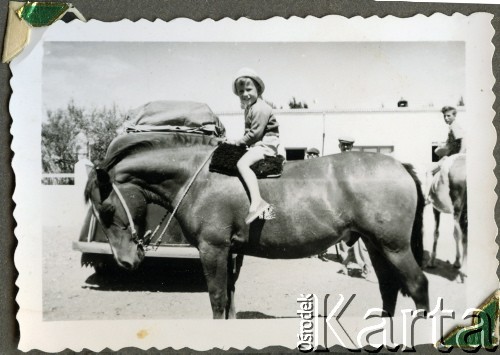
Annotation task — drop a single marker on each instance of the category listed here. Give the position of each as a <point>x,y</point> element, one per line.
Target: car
<point>173,249</point>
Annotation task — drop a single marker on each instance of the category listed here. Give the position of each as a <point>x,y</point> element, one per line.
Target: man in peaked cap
<point>356,259</point>
<point>346,143</point>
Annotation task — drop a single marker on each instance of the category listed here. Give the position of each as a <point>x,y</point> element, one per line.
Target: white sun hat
<point>248,73</point>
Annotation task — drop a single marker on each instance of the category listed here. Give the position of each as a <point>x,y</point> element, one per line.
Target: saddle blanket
<point>227,155</point>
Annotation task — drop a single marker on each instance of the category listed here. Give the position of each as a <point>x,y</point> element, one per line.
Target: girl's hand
<point>232,142</point>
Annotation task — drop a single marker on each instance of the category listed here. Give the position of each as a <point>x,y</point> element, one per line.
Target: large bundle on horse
<point>317,203</point>
<point>175,116</point>
<point>155,118</point>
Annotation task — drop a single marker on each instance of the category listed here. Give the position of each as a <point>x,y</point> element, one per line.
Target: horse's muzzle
<point>133,261</point>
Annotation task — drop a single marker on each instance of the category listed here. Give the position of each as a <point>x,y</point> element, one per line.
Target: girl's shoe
<point>253,215</point>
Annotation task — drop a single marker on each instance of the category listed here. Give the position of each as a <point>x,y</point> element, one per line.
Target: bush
<point>60,130</point>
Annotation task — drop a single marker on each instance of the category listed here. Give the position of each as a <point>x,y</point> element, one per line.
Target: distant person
<point>455,143</point>
<point>312,153</point>
<point>261,136</point>
<point>346,143</point>
<point>355,258</point>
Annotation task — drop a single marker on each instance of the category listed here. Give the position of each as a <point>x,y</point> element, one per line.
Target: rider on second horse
<point>261,136</point>
<point>455,143</point>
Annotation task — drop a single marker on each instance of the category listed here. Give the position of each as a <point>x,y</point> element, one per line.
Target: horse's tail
<point>417,233</point>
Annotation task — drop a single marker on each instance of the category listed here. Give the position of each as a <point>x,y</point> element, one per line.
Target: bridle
<point>135,236</point>
<point>133,232</point>
<point>148,236</point>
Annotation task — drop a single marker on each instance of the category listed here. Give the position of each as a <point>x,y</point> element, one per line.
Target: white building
<point>408,134</point>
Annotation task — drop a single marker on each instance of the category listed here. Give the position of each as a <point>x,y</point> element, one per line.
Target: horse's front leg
<point>215,267</point>
<point>234,266</point>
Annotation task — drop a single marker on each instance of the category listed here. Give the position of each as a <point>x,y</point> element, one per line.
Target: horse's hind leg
<point>457,235</point>
<point>413,281</point>
<point>460,235</point>
<point>233,267</point>
<point>437,219</point>
<point>388,278</point>
<point>463,223</point>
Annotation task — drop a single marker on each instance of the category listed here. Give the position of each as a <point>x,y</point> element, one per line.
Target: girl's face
<point>246,91</point>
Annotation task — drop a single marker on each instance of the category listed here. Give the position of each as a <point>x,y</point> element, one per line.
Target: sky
<point>325,75</point>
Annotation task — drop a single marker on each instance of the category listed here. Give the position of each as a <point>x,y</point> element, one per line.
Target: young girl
<point>261,135</point>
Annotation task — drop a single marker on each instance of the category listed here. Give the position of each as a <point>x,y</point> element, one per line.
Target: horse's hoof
<point>322,257</point>
<point>456,265</point>
<point>354,270</point>
<point>460,278</point>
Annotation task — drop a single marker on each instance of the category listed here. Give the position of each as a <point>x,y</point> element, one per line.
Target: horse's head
<point>121,211</point>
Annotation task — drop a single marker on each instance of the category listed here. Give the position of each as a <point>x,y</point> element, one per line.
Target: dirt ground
<point>265,288</point>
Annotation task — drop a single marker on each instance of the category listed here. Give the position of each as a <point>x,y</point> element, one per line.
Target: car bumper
<point>181,251</point>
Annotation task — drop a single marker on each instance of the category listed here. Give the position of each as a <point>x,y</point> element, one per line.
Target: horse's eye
<point>106,212</point>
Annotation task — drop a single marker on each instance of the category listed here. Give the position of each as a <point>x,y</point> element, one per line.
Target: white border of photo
<point>26,109</point>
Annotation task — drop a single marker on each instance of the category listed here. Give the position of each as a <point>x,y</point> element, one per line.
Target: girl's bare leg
<point>247,160</point>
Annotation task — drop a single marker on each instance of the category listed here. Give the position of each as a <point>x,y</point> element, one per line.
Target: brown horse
<point>317,203</point>
<point>448,194</point>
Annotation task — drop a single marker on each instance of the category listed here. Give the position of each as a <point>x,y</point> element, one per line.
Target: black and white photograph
<point>186,172</point>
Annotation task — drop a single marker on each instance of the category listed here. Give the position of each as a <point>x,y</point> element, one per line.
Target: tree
<point>62,127</point>
<point>293,104</point>
<point>102,129</point>
<point>58,135</point>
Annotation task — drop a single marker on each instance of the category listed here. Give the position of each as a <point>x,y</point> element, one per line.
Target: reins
<point>158,242</point>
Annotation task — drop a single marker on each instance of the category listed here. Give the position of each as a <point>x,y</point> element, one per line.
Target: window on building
<point>383,149</point>
<point>295,153</point>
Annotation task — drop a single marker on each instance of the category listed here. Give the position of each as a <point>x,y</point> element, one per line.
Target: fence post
<point>82,169</point>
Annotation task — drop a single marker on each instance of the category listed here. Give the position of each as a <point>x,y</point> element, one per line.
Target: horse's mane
<point>123,146</point>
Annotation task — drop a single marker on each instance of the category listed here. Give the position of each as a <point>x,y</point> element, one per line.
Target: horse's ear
<point>104,183</point>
